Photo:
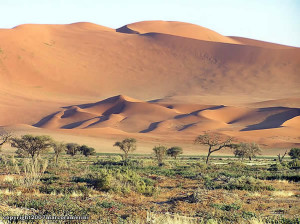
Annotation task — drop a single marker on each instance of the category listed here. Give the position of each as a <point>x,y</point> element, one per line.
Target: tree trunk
<point>125,156</point>
<point>208,155</point>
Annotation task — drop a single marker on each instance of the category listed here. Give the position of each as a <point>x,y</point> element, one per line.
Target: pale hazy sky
<point>269,20</point>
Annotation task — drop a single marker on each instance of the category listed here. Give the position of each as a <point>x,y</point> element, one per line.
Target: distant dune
<point>176,28</point>
<point>134,116</point>
<point>201,80</point>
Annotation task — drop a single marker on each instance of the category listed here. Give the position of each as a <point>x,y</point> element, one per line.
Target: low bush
<point>227,207</point>
<point>240,183</point>
<point>120,181</point>
<point>277,167</point>
<point>294,164</point>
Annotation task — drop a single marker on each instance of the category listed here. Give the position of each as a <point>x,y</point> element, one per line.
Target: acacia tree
<point>244,150</point>
<point>215,142</point>
<point>127,145</point>
<point>239,151</point>
<point>87,151</point>
<point>252,150</point>
<point>160,153</point>
<point>4,137</point>
<point>174,151</point>
<point>32,145</point>
<point>294,153</point>
<point>58,148</point>
<point>72,148</point>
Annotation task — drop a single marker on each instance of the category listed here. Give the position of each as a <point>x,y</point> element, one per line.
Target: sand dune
<point>134,116</point>
<point>177,29</point>
<point>259,43</point>
<point>200,79</point>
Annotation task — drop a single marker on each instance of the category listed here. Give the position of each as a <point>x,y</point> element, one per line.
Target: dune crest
<point>176,28</point>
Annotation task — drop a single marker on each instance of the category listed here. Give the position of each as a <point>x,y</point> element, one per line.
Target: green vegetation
<point>72,149</point>
<point>174,151</point>
<point>58,148</point>
<point>31,145</point>
<point>160,153</point>
<point>246,150</point>
<point>127,145</point>
<point>109,188</point>
<point>294,153</point>
<point>87,151</point>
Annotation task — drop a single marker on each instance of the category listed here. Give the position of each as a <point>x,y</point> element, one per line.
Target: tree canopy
<point>127,145</point>
<point>215,142</point>
<point>294,153</point>
<point>87,151</point>
<point>32,145</point>
<point>72,148</point>
<point>174,151</point>
<point>160,153</point>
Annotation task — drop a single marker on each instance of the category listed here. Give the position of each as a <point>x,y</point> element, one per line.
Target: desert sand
<point>158,81</point>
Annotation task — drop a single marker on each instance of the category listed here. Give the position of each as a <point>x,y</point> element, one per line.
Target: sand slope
<point>134,116</point>
<point>177,29</point>
<point>201,80</point>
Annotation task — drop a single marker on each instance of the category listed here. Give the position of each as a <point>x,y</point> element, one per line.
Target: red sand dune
<point>201,80</point>
<point>176,28</point>
<point>134,116</point>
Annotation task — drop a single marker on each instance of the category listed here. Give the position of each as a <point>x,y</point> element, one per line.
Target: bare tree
<point>281,157</point>
<point>215,142</point>
<point>4,137</point>
<point>127,145</point>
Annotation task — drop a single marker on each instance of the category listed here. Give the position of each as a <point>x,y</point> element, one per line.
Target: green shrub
<point>122,180</point>
<point>277,167</point>
<point>294,153</point>
<point>227,207</point>
<point>248,184</point>
<point>239,183</point>
<point>109,204</point>
<point>101,181</point>
<point>237,165</point>
<point>294,164</point>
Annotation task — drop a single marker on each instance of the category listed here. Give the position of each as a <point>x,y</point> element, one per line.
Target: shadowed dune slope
<point>133,116</point>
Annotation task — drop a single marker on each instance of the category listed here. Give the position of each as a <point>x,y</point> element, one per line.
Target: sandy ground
<point>177,80</point>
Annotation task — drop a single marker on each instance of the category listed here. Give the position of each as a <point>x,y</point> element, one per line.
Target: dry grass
<point>282,193</point>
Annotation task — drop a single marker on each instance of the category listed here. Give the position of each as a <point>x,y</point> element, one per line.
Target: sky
<point>275,21</point>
